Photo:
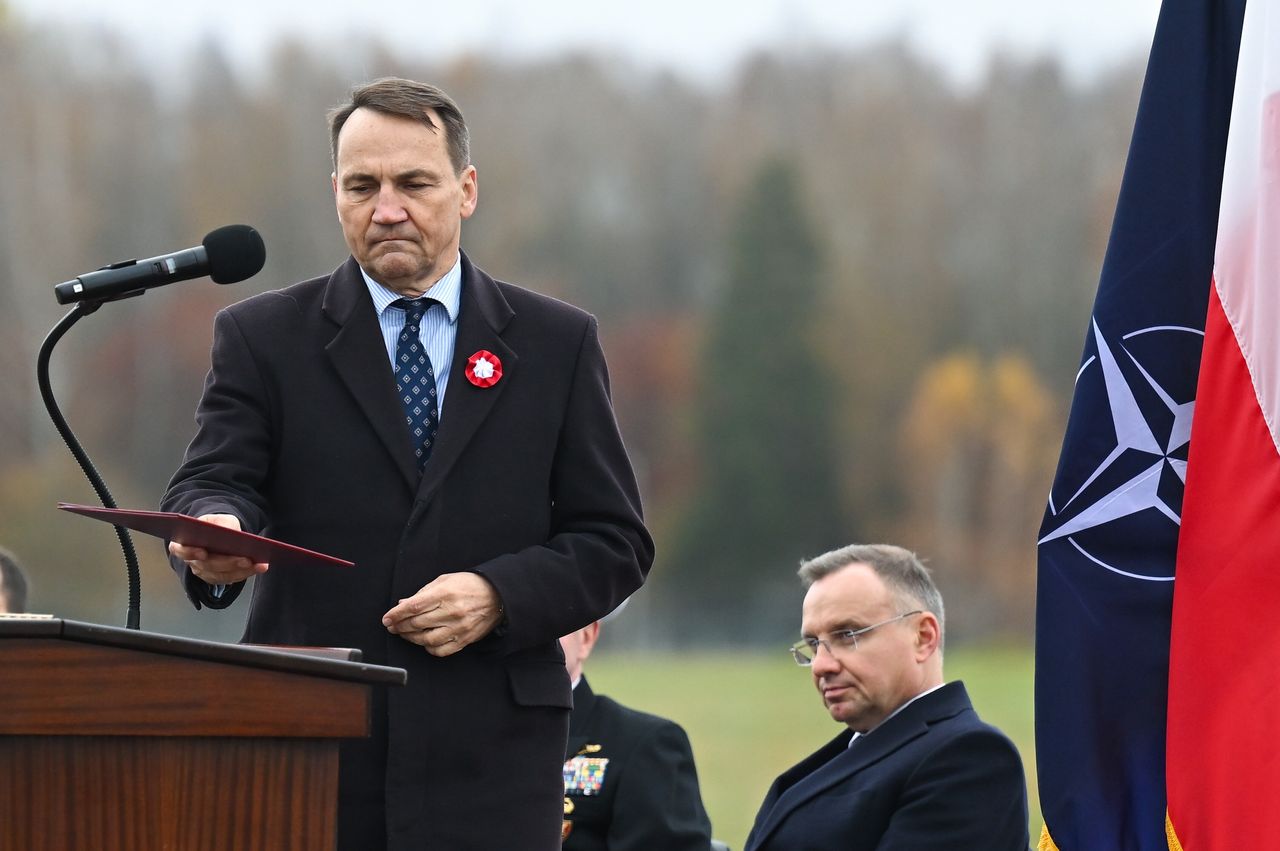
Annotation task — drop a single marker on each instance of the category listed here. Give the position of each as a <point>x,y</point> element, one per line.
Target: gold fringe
<point>1046,841</point>
<point>1174,844</point>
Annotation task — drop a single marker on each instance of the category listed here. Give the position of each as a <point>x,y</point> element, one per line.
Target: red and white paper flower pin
<point>484,369</point>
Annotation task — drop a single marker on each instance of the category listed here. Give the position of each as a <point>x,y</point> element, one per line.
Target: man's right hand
<point>215,568</point>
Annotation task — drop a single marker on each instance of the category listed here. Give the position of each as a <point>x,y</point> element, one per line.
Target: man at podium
<point>452,435</point>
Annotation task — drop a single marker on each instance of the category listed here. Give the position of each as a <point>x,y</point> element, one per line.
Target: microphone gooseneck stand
<point>84,308</point>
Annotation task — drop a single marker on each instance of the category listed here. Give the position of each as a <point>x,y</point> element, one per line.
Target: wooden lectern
<point>120,739</point>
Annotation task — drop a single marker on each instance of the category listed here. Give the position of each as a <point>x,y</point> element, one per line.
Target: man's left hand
<point>450,612</point>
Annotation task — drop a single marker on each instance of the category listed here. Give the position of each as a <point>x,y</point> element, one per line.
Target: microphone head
<point>235,252</point>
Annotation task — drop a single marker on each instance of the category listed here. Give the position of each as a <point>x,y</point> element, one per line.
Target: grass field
<point>752,715</point>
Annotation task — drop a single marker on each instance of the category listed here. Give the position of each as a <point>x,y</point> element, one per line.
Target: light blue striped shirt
<point>438,331</point>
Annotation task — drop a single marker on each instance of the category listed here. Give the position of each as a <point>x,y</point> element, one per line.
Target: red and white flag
<point>1223,747</point>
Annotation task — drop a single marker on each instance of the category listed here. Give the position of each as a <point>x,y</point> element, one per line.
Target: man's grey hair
<point>901,571</point>
<point>412,100</point>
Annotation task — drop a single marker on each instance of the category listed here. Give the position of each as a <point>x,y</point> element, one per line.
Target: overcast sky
<point>702,38</point>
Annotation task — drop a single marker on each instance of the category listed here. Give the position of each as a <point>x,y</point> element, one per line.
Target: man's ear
<point>590,634</point>
<point>470,191</point>
<point>928,635</point>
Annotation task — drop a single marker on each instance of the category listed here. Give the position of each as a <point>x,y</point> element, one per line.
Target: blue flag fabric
<point>1108,542</point>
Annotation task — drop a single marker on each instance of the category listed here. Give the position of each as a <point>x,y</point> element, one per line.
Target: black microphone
<point>228,255</point>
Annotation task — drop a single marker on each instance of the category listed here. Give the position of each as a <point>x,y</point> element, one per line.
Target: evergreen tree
<point>768,493</point>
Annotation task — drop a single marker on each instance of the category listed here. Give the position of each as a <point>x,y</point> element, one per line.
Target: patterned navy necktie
<point>416,380</point>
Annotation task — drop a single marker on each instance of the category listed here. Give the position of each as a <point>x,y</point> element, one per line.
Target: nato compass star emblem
<point>1118,497</point>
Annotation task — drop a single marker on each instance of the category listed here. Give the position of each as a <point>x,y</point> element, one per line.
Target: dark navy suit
<point>934,776</point>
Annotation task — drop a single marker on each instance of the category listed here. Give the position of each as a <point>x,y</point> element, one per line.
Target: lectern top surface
<point>296,660</point>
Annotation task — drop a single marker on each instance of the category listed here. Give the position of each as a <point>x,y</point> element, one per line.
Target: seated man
<point>916,769</point>
<point>629,777</point>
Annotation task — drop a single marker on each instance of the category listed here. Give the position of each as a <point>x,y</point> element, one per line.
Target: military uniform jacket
<point>301,436</point>
<point>630,781</point>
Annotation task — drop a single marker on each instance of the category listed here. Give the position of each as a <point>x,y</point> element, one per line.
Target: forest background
<point>843,297</point>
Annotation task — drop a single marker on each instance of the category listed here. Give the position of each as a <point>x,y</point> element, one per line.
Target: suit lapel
<point>482,316</point>
<point>359,355</point>
<point>911,723</point>
<point>832,763</point>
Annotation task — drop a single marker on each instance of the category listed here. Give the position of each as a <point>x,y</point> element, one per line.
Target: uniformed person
<point>629,779</point>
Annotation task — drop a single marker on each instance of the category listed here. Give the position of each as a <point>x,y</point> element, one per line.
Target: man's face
<point>861,686</point>
<point>399,201</point>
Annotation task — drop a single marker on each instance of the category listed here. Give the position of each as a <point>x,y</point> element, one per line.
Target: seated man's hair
<point>900,569</point>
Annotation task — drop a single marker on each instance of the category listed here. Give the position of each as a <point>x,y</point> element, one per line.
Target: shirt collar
<point>857,735</point>
<point>447,291</point>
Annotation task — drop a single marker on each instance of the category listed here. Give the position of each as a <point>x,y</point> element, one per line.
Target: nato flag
<point>1109,538</point>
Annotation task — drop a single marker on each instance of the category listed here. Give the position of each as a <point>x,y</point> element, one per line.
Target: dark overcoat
<point>301,436</point>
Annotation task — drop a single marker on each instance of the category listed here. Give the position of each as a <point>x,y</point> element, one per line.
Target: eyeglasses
<point>806,650</point>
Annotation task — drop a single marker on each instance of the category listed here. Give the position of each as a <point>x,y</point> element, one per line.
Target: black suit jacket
<point>934,776</point>
<point>301,436</point>
<point>648,797</point>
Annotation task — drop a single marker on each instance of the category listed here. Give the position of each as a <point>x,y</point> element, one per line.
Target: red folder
<point>191,532</point>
